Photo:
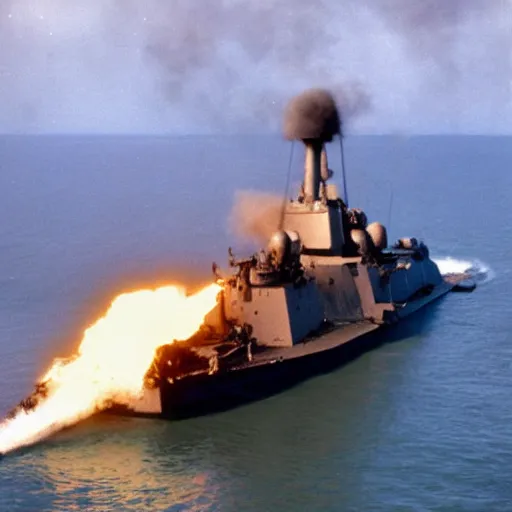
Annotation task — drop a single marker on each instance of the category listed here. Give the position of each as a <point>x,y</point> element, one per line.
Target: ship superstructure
<point>326,280</point>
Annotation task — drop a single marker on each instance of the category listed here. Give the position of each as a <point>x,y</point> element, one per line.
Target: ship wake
<point>111,362</point>
<point>476,268</point>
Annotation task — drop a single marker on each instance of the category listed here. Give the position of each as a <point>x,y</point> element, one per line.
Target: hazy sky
<point>140,66</point>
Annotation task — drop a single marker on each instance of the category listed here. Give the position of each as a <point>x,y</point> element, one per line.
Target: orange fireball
<point>113,357</point>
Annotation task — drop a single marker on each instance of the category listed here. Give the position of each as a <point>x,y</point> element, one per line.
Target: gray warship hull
<point>275,370</point>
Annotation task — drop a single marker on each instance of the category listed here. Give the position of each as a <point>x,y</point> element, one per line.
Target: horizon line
<point>240,134</point>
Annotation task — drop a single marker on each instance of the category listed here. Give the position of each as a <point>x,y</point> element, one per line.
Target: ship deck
<point>344,333</point>
<point>338,335</point>
<point>330,338</point>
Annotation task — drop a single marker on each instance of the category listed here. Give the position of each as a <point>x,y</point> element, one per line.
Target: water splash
<point>475,267</point>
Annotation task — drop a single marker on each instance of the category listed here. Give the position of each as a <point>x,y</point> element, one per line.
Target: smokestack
<point>313,118</point>
<point>311,183</point>
<point>324,165</point>
<point>312,170</point>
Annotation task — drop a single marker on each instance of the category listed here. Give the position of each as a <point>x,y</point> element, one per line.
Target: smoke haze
<point>230,66</point>
<point>255,215</point>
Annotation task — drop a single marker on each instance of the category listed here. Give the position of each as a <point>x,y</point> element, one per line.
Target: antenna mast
<point>343,173</point>
<point>285,197</point>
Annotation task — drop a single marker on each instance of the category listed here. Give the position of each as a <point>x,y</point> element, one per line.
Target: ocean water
<point>422,423</point>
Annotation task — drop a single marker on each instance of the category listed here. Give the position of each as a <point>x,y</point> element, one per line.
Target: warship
<point>326,288</point>
<point>319,294</point>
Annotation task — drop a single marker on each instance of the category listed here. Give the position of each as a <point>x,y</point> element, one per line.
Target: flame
<point>113,357</point>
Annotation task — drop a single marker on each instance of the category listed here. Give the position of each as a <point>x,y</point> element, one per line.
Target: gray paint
<point>279,315</point>
<point>319,226</point>
<point>404,283</point>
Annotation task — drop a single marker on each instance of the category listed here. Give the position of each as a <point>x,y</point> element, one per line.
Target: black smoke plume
<point>312,114</point>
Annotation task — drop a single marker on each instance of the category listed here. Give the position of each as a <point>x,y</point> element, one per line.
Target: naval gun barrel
<point>313,118</point>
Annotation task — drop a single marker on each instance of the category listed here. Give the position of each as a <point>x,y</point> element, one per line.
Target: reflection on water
<point>130,464</point>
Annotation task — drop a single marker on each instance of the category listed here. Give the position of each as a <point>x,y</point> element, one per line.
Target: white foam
<point>475,267</point>
<point>451,265</point>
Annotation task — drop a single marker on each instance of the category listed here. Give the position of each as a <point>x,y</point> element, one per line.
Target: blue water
<point>422,423</point>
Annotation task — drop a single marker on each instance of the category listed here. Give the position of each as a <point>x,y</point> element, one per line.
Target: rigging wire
<point>285,197</point>
<point>343,174</point>
<point>390,209</point>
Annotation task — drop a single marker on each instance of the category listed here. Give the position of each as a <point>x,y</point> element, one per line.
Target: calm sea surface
<point>422,423</point>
